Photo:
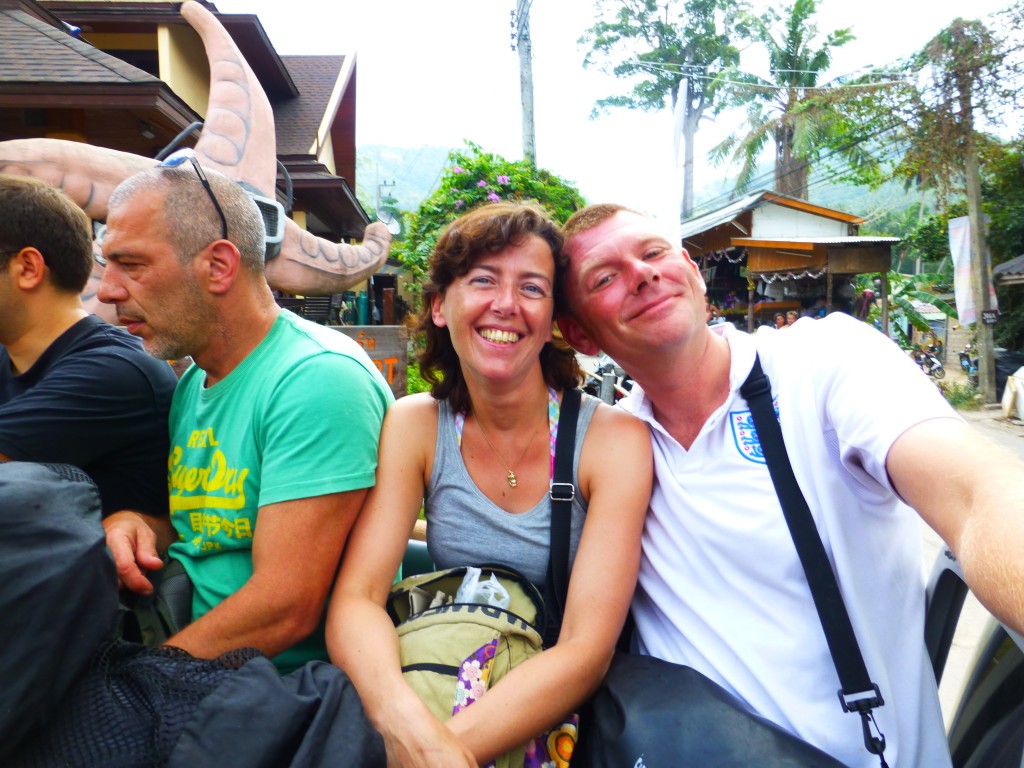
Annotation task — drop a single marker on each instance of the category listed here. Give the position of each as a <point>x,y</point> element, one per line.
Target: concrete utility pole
<point>521,43</point>
<point>380,186</point>
<point>979,248</point>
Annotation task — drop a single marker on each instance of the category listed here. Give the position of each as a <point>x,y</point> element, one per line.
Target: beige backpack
<point>453,652</point>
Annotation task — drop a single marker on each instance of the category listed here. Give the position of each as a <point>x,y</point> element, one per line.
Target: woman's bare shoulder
<point>610,420</point>
<point>412,416</point>
<point>418,405</point>
<point>617,447</point>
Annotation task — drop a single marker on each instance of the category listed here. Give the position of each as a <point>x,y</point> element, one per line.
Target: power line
<point>717,201</point>
<point>692,71</point>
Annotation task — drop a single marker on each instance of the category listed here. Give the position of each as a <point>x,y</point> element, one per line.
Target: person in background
<point>791,317</point>
<point>714,315</point>
<point>780,320</point>
<point>477,453</point>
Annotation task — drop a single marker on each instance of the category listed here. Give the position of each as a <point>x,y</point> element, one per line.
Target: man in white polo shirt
<point>721,588</point>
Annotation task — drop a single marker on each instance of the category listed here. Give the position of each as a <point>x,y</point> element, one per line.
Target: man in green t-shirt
<point>274,429</point>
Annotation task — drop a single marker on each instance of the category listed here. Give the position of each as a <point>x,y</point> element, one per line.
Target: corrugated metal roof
<point>841,240</point>
<point>927,310</point>
<point>1011,267</point>
<point>721,216</point>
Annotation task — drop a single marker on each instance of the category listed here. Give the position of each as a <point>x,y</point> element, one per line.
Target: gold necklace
<point>512,480</point>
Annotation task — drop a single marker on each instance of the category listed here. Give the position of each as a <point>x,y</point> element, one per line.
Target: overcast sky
<point>435,72</point>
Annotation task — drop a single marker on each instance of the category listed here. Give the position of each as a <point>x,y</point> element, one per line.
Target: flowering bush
<point>474,177</point>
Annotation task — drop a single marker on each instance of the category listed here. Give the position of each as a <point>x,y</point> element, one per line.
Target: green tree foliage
<point>668,48</point>
<point>929,242</point>
<point>939,101</point>
<point>472,178</point>
<point>902,289</point>
<point>414,379</point>
<point>790,107</point>
<point>973,71</point>
<point>963,79</point>
<point>961,86</point>
<point>1003,192</point>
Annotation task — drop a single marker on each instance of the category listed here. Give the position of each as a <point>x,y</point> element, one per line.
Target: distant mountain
<point>407,174</point>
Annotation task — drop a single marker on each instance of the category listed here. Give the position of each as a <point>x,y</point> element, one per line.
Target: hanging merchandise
<point>724,255</point>
<point>787,276</point>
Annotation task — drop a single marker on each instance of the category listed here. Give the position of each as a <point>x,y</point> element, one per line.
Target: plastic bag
<point>490,591</point>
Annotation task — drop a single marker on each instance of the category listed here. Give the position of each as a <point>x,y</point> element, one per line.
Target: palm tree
<point>790,108</point>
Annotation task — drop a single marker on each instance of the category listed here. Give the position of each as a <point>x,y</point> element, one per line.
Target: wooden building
<point>768,253</point>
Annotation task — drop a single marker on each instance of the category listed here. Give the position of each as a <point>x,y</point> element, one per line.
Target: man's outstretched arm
<point>971,493</point>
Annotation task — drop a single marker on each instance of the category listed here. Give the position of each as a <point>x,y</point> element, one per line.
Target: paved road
<point>1008,434</point>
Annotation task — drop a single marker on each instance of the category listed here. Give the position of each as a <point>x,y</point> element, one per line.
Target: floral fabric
<point>549,750</point>
<point>473,676</point>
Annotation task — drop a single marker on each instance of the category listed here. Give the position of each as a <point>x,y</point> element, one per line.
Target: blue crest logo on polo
<point>744,434</point>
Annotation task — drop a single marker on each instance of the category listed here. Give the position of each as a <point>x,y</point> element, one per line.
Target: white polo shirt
<point>720,586</point>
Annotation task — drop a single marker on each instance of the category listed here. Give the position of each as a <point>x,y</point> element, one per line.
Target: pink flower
<point>503,179</point>
<point>471,670</point>
<point>459,203</point>
<point>458,169</point>
<point>481,183</point>
<point>493,197</point>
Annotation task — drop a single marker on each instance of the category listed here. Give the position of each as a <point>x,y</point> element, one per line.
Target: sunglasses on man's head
<point>181,156</point>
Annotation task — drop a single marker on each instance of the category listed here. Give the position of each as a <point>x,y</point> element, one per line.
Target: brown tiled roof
<point>39,53</point>
<point>297,120</point>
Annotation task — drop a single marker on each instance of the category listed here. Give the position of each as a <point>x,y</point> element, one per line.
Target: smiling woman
<point>477,451</point>
<point>497,262</point>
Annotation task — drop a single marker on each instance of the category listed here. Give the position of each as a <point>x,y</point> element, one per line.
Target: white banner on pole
<point>960,249</point>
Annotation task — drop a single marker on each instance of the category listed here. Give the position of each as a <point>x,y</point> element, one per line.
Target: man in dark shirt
<point>73,389</point>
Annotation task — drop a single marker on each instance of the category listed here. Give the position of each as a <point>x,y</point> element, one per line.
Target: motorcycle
<point>929,361</point>
<point>969,363</point>
<point>604,379</point>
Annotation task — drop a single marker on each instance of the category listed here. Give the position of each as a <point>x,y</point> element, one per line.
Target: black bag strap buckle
<point>562,491</point>
<point>861,701</point>
<point>874,744</point>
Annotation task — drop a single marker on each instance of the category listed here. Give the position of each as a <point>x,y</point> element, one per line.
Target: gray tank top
<point>466,528</point>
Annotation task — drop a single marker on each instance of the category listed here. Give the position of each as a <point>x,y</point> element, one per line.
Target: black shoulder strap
<point>562,492</point>
<point>858,694</point>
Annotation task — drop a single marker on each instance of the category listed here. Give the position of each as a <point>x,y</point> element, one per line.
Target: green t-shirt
<point>299,417</point>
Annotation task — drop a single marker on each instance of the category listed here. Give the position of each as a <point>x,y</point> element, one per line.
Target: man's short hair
<point>35,214</point>
<point>591,216</point>
<point>190,220</point>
